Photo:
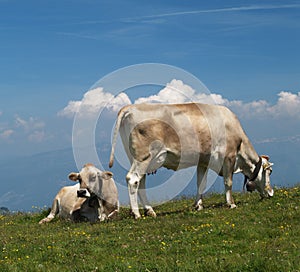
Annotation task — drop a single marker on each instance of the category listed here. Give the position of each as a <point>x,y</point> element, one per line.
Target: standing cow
<point>177,136</point>
<point>68,205</point>
<point>94,182</point>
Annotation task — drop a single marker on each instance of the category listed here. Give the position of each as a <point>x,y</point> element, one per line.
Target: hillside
<point>35,180</point>
<point>257,236</point>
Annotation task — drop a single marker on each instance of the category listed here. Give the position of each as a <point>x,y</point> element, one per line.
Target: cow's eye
<point>93,178</point>
<point>79,179</point>
<point>146,157</point>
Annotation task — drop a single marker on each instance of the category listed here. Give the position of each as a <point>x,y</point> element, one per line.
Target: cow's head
<point>262,182</point>
<point>90,179</point>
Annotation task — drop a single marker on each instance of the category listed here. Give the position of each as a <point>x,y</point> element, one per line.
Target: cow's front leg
<point>53,212</point>
<point>133,185</point>
<point>134,204</point>
<point>201,184</point>
<point>143,197</point>
<point>228,191</point>
<point>101,213</point>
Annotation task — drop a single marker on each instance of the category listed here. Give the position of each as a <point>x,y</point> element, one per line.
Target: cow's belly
<point>212,161</point>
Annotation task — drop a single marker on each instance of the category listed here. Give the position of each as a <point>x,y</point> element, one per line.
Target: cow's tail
<point>114,141</point>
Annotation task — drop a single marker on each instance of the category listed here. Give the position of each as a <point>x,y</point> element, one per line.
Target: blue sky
<point>52,52</point>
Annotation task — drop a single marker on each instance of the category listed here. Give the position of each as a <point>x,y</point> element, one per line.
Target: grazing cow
<point>94,182</point>
<point>177,136</point>
<point>69,206</point>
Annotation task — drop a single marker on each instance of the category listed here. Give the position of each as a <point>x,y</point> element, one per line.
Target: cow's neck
<point>249,160</point>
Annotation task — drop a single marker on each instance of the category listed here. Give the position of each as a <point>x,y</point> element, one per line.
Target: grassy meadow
<point>257,236</point>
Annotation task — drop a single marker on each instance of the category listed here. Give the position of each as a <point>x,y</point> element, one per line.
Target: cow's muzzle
<point>83,193</point>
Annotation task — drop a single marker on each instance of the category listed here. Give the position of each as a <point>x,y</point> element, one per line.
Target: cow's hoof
<point>43,221</point>
<point>151,213</point>
<point>46,220</point>
<point>102,218</point>
<point>232,206</point>
<point>137,216</point>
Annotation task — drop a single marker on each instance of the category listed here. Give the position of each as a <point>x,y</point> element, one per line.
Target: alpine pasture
<point>259,235</point>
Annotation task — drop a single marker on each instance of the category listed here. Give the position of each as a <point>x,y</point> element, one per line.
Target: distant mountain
<point>33,181</point>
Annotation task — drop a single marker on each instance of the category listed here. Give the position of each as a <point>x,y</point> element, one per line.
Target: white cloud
<point>119,101</point>
<point>211,99</point>
<point>218,10</point>
<point>175,92</point>
<point>290,139</point>
<point>6,134</point>
<point>32,128</point>
<point>30,124</point>
<point>72,108</point>
<point>287,105</point>
<point>93,101</point>
<point>21,122</point>
<point>254,109</point>
<point>37,136</point>
<point>178,92</point>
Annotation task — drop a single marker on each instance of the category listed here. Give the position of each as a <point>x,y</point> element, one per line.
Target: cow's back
<point>184,128</point>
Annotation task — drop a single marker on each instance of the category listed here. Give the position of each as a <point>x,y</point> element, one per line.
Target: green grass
<point>257,236</point>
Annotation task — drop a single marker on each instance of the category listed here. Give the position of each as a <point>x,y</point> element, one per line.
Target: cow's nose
<point>128,177</point>
<point>81,193</point>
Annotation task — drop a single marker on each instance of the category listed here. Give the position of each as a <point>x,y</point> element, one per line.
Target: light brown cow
<point>178,136</point>
<point>68,205</point>
<point>94,182</point>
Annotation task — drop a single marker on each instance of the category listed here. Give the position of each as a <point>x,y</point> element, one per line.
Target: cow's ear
<point>265,157</point>
<point>107,174</point>
<point>74,176</point>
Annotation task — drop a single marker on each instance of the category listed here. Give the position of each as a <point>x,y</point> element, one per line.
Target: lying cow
<point>94,182</point>
<point>178,136</point>
<point>68,205</point>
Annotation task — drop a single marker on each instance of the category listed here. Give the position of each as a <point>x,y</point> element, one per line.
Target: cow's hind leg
<point>201,184</point>
<point>143,198</point>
